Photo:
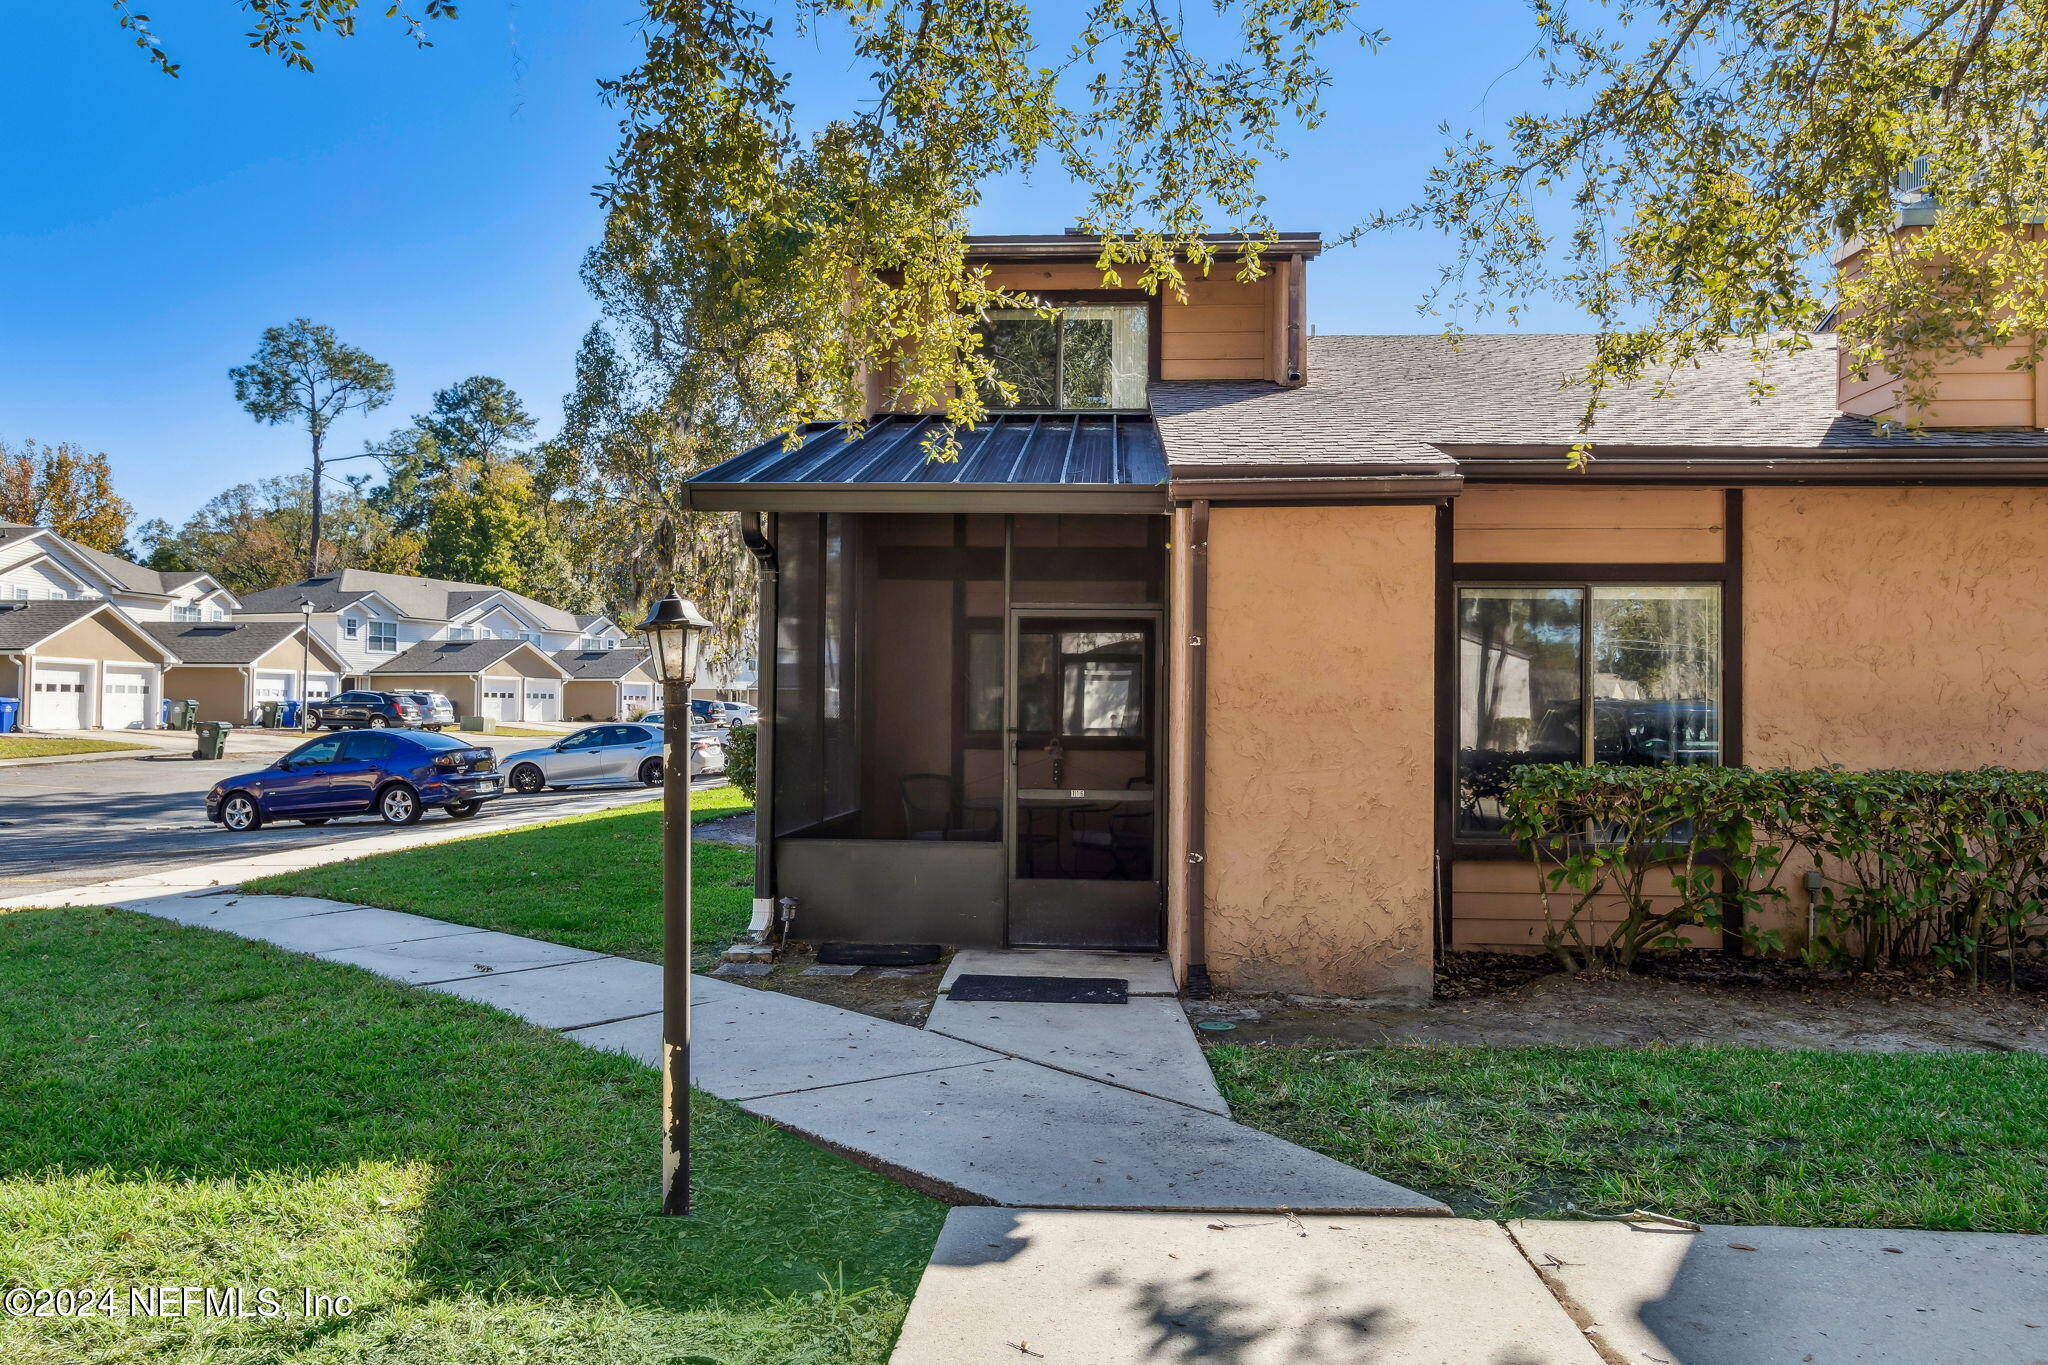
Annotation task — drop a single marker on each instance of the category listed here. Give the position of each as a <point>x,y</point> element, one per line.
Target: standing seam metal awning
<point>1015,462</point>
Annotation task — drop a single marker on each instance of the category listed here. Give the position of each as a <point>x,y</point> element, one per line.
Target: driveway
<point>72,824</point>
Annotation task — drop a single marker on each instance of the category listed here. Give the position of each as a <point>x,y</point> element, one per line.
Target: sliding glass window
<point>1581,673</point>
<point>1086,356</point>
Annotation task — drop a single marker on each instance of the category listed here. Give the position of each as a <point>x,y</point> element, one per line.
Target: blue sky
<point>432,206</point>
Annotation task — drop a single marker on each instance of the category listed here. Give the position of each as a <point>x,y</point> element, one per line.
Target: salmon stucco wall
<point>1896,627</point>
<point>1321,719</point>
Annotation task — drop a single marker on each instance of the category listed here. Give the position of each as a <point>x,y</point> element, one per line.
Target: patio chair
<point>1125,838</point>
<point>931,808</point>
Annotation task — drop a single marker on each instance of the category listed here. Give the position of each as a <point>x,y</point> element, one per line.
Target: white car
<point>733,713</point>
<point>604,754</point>
<point>595,754</point>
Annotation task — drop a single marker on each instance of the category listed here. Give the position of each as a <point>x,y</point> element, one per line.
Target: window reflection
<point>1656,674</point>
<point>1087,356</point>
<point>1100,678</point>
<point>1640,662</point>
<point>1520,672</point>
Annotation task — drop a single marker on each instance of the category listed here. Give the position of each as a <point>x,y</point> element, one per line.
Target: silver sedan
<point>592,755</point>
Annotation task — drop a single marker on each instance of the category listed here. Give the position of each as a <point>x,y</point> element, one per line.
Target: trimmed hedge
<point>1917,868</point>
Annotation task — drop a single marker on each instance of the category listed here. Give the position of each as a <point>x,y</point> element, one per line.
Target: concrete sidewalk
<point>1073,1288</point>
<point>1132,1229</point>
<point>1145,1044</point>
<point>961,1121</point>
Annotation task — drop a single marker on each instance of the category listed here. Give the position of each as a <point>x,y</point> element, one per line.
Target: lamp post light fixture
<point>675,637</point>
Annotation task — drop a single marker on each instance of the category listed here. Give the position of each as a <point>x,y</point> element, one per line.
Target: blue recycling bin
<point>10,707</point>
<point>288,714</point>
<point>165,719</point>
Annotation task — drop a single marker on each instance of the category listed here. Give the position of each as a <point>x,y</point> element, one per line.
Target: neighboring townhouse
<point>376,623</point>
<point>509,680</point>
<point>1227,644</point>
<point>606,684</point>
<point>231,667</point>
<point>739,680</point>
<point>600,632</point>
<point>38,565</point>
<point>89,640</point>
<point>80,665</point>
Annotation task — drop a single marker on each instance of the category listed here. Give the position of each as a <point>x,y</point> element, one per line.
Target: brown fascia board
<point>1720,466</point>
<point>1379,481</point>
<point>1073,247</point>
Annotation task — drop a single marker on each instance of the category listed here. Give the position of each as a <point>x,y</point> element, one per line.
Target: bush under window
<point>1948,869</point>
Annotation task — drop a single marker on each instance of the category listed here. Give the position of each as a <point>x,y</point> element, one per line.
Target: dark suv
<point>435,709</point>
<point>365,711</point>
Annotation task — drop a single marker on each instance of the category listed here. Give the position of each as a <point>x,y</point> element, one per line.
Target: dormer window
<point>184,611</point>
<point>1090,356</point>
<point>351,627</point>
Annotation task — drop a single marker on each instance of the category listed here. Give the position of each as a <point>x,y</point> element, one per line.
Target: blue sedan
<point>395,774</point>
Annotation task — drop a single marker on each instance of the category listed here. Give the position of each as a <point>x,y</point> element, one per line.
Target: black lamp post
<point>305,660</point>
<point>675,635</point>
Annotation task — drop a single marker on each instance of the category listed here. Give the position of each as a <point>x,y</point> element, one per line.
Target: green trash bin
<point>213,739</point>
<point>268,714</point>
<point>181,714</point>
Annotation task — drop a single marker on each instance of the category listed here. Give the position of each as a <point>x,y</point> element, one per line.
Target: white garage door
<point>543,700</point>
<point>57,696</point>
<point>501,698</point>
<point>639,697</point>
<point>274,686</point>
<point>124,698</point>
<point>321,686</point>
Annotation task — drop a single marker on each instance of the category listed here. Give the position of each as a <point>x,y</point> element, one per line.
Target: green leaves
<point>1913,867</point>
<point>303,372</point>
<point>852,235</point>
<point>1704,160</point>
<point>277,25</point>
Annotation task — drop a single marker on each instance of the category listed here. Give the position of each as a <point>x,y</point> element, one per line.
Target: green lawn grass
<point>1716,1134</point>
<point>589,881</point>
<point>28,746</point>
<point>186,1108</point>
<point>717,803</point>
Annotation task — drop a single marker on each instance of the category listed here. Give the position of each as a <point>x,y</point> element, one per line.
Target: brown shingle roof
<point>1392,401</point>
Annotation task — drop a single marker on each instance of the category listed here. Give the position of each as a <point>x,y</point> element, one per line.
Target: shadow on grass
<point>188,1108</point>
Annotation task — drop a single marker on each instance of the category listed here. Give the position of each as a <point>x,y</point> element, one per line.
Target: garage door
<point>124,698</point>
<point>543,700</point>
<point>501,698</point>
<point>639,697</point>
<point>321,686</point>
<point>273,686</point>
<point>57,696</point>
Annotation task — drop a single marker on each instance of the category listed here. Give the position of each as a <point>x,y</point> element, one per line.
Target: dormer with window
<point>1109,343</point>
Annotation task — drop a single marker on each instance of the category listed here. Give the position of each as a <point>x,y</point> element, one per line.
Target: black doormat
<point>1042,990</point>
<point>877,954</point>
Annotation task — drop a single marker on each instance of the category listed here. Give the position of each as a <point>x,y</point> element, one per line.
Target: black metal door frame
<point>1110,896</point>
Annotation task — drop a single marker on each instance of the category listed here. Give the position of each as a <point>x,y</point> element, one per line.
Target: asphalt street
<point>72,824</point>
